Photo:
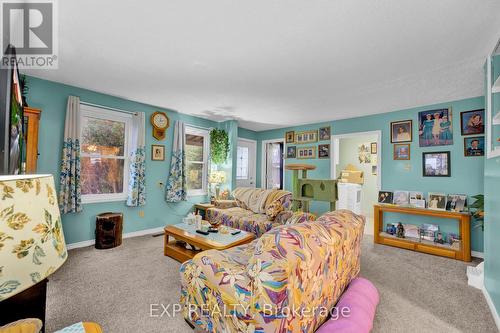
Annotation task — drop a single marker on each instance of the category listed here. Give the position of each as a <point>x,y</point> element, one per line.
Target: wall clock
<point>160,123</point>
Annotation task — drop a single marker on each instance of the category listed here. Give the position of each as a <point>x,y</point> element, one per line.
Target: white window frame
<point>248,164</point>
<point>206,146</point>
<point>105,114</point>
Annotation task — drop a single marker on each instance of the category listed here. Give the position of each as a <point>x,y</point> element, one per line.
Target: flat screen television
<point>11,116</point>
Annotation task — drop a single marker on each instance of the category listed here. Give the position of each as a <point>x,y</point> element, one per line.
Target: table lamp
<point>217,178</point>
<point>32,245</point>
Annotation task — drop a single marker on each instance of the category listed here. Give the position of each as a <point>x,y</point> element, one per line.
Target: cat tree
<point>306,190</point>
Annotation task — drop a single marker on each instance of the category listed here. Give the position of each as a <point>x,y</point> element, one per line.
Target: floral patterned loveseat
<point>256,210</point>
<point>285,281</point>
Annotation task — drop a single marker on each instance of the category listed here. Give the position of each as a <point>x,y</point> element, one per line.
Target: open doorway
<point>273,168</point>
<point>362,151</point>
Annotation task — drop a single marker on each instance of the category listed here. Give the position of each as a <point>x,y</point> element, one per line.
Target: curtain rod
<point>108,108</point>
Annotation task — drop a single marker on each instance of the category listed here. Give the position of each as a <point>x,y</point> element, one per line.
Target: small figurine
<point>400,230</point>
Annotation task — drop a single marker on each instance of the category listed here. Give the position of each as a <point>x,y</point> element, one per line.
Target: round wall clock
<point>160,123</point>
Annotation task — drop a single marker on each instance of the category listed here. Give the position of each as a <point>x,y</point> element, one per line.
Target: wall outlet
<point>141,213</point>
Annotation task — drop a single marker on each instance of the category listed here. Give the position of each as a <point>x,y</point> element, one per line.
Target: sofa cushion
<point>228,216</point>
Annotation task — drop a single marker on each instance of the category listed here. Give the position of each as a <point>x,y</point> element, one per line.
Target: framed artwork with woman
<point>435,128</point>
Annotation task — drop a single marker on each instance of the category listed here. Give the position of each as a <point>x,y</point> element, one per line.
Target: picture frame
<point>306,137</point>
<point>456,202</point>
<point>401,198</point>
<point>290,137</point>
<point>415,195</point>
<point>437,201</point>
<point>306,152</point>
<point>385,197</point>
<point>474,146</point>
<point>401,151</point>
<point>373,148</point>
<point>435,128</point>
<point>436,164</point>
<point>324,151</point>
<point>157,152</point>
<point>472,122</point>
<point>324,133</point>
<point>291,151</point>
<point>402,131</point>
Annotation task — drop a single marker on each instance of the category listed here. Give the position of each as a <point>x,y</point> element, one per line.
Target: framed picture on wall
<point>435,128</point>
<point>402,151</point>
<point>474,146</point>
<point>306,137</point>
<point>157,152</point>
<point>291,151</point>
<point>306,152</point>
<point>324,133</point>
<point>290,137</point>
<point>324,151</point>
<point>472,122</point>
<point>436,164</point>
<point>401,131</point>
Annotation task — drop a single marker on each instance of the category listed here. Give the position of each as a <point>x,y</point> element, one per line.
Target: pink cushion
<point>362,298</point>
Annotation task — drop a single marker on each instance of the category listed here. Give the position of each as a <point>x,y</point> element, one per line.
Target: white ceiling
<point>273,64</point>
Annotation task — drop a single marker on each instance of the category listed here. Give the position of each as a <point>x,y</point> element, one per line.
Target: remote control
<point>202,232</point>
<point>235,232</point>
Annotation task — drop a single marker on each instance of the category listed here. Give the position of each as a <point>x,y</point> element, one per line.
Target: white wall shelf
<point>496,86</point>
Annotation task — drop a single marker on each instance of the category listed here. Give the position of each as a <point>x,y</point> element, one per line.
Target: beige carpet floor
<point>116,287</point>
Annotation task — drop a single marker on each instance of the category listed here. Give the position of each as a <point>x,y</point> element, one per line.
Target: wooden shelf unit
<point>463,253</point>
<point>32,124</point>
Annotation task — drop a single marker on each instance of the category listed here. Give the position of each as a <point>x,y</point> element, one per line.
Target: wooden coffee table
<point>182,232</point>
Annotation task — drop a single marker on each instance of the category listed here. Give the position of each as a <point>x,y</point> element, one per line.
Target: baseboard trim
<point>491,305</point>
<point>477,254</point>
<point>91,242</point>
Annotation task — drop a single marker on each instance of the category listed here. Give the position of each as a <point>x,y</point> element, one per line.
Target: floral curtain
<point>136,194</point>
<point>176,184</point>
<point>70,199</point>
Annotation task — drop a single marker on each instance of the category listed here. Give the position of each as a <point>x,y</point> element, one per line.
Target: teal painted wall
<point>52,97</point>
<point>492,213</point>
<point>467,172</point>
<point>247,134</point>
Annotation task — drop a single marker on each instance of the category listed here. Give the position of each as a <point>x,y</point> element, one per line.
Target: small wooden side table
<point>202,207</point>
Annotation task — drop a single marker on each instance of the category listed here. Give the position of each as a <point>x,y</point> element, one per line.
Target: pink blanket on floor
<point>355,310</point>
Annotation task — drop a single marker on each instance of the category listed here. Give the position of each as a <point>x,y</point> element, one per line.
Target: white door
<point>246,163</point>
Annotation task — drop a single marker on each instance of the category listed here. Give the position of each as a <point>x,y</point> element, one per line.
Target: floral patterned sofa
<point>256,210</point>
<point>285,281</point>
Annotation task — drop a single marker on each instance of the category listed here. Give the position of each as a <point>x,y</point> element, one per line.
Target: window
<point>197,145</point>
<point>242,163</point>
<point>104,154</point>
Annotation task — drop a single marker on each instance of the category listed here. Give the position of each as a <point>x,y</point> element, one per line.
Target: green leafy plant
<point>477,209</point>
<point>219,146</point>
<point>23,82</point>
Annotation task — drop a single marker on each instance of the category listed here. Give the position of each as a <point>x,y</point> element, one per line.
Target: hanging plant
<point>219,146</point>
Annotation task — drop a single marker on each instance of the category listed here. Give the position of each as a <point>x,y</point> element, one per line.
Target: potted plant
<point>477,209</point>
<point>219,146</point>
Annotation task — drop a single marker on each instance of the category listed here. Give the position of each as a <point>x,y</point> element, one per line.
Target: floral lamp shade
<point>217,177</point>
<point>32,243</point>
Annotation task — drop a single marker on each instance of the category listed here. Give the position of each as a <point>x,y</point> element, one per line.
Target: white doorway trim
<point>263,160</point>
<point>336,144</point>
<point>254,174</point>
